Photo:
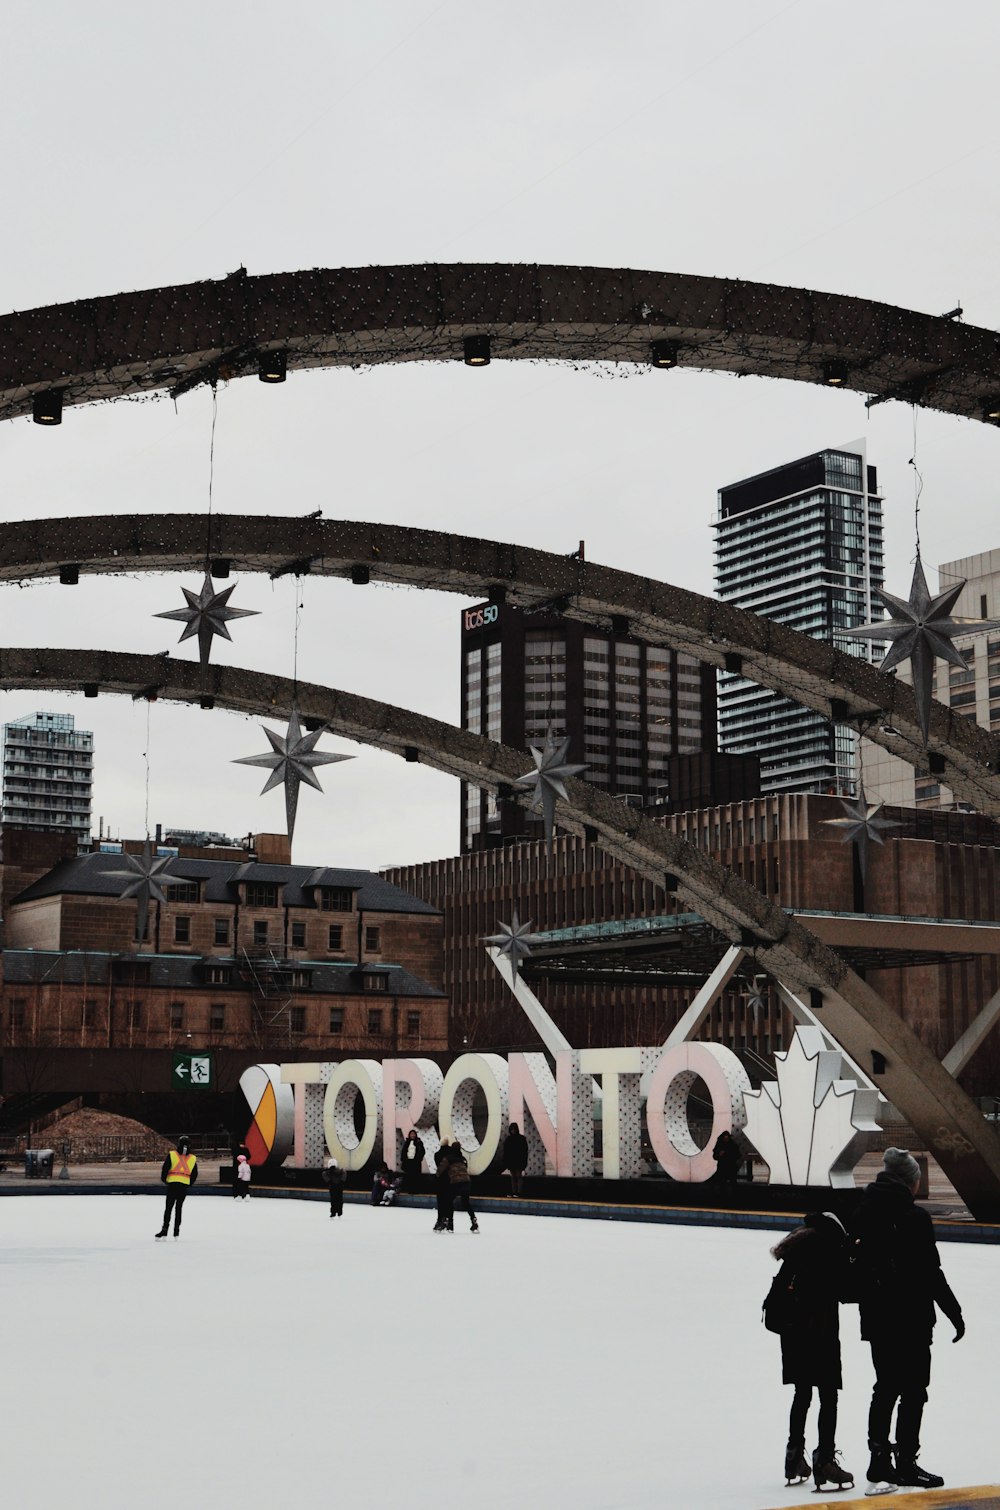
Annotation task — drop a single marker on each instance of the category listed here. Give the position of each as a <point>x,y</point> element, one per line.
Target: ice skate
<point>881,1479</point>
<point>910,1475</point>
<point>796,1467</point>
<point>830,1475</point>
<point>475,1225</point>
<point>162,1233</point>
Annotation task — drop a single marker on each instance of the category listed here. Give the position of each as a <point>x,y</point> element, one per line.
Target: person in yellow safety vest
<point>179,1173</point>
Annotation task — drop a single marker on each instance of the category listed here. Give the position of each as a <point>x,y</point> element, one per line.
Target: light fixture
<point>90,689</point>
<point>663,354</point>
<point>69,573</point>
<point>360,576</point>
<point>834,374</point>
<point>46,408</point>
<point>476,351</point>
<point>272,366</point>
<point>991,411</point>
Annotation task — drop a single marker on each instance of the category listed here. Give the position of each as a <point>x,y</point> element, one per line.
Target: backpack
<point>781,1303</point>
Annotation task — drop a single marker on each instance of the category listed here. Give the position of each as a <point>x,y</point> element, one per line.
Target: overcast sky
<point>850,148</point>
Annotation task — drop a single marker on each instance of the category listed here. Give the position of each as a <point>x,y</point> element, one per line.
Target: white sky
<point>848,148</point>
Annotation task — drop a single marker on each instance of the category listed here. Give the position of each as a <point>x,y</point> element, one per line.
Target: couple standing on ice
<point>888,1263</point>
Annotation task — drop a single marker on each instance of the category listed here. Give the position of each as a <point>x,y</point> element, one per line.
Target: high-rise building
<point>627,707</point>
<point>801,545</point>
<point>48,770</point>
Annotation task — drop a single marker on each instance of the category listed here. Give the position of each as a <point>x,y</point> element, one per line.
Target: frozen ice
<point>275,1356</point>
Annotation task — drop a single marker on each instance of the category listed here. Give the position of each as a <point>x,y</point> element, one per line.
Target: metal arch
<point>173,338</point>
<point>914,1080</point>
<point>811,672</point>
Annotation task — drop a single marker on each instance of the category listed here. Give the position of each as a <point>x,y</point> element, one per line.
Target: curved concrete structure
<point>174,338</point>
<point>808,671</point>
<point>914,1080</point>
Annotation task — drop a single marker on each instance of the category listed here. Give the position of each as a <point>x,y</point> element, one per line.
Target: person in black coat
<point>813,1276</point>
<point>460,1185</point>
<point>900,1281</point>
<point>515,1157</point>
<point>728,1159</point>
<point>443,1187</point>
<point>413,1158</point>
<point>336,1178</point>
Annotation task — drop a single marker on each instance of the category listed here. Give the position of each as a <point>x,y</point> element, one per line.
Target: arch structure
<point>841,686</point>
<point>914,1080</point>
<point>174,338</point>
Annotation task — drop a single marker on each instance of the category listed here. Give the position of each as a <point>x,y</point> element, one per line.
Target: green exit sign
<point>192,1072</point>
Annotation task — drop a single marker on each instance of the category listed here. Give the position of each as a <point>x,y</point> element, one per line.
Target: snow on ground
<point>275,1357</point>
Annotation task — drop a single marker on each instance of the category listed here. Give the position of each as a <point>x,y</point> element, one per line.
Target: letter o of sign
<point>667,1102</point>
<point>350,1079</point>
<point>489,1073</point>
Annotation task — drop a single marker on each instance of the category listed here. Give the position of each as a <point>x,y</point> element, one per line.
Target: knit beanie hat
<point>901,1165</point>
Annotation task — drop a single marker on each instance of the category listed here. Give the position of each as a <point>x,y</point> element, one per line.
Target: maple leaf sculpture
<point>810,1126</point>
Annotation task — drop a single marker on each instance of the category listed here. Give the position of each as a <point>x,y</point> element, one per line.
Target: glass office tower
<point>802,545</point>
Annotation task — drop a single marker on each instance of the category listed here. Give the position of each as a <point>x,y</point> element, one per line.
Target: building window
<point>221,930</point>
<point>413,1024</point>
<point>302,979</point>
<point>260,895</point>
<point>259,934</point>
<point>373,939</point>
<point>336,899</point>
<point>298,935</point>
<point>183,891</point>
<point>217,1017</point>
<point>176,1016</point>
<point>336,936</point>
<point>182,930</point>
<point>218,975</point>
<point>376,981</point>
<point>17,1012</point>
<point>297,1019</point>
<point>89,1012</point>
<point>336,1019</point>
<point>128,972</point>
<point>374,1020</point>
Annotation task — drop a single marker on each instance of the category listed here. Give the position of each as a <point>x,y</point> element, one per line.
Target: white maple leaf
<point>810,1126</point>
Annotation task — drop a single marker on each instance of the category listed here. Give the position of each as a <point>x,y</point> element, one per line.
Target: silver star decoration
<point>144,876</point>
<point>512,942</point>
<point>205,615</point>
<point>921,631</point>
<point>291,761</point>
<point>861,823</point>
<point>552,768</point>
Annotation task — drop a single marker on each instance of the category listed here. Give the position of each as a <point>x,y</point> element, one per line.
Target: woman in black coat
<point>811,1281</point>
<point>413,1157</point>
<point>515,1156</point>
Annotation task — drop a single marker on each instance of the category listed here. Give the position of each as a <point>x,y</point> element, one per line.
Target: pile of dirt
<point>94,1135</point>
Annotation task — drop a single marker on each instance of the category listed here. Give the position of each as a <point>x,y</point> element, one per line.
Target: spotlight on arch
<point>663,354</point>
<point>476,351</point>
<point>834,374</point>
<point>46,408</point>
<point>273,366</point>
<point>991,411</point>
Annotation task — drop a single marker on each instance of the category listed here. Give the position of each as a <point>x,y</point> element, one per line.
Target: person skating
<point>442,1187</point>
<point>244,1174</point>
<point>900,1281</point>
<point>179,1173</point>
<point>460,1187</point>
<point>515,1157</point>
<point>806,1295</point>
<point>336,1178</point>
<point>412,1160</point>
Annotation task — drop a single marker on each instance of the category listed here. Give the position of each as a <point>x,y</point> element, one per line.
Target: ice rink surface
<point>274,1357</point>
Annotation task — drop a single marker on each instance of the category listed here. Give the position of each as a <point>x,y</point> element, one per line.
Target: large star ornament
<point>921,631</point>
<point>861,823</point>
<point>512,943</point>
<point>144,875</point>
<point>205,615</point>
<point>291,761</point>
<point>552,768</point>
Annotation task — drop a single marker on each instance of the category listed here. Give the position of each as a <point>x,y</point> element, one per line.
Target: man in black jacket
<point>899,1281</point>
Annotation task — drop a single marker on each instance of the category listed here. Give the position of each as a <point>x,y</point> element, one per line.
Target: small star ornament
<point>291,762</point>
<point>205,615</point>
<point>861,823</point>
<point>921,630</point>
<point>552,769</point>
<point>512,942</point>
<point>144,875</point>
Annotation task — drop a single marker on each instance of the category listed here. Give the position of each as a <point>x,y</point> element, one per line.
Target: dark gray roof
<point>22,967</point>
<point>92,875</point>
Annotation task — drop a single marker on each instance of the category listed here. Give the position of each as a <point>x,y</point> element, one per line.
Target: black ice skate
<point>910,1475</point>
<point>830,1475</point>
<point>881,1478</point>
<point>796,1467</point>
<point>161,1234</point>
<point>475,1225</point>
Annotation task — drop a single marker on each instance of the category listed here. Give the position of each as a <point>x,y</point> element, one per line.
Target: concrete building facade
<point>48,773</point>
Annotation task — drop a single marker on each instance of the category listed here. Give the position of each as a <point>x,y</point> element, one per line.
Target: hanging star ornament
<point>291,761</point>
<point>512,943</point>
<point>861,823</point>
<point>144,875</point>
<point>205,615</point>
<point>552,769</point>
<point>921,630</point>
